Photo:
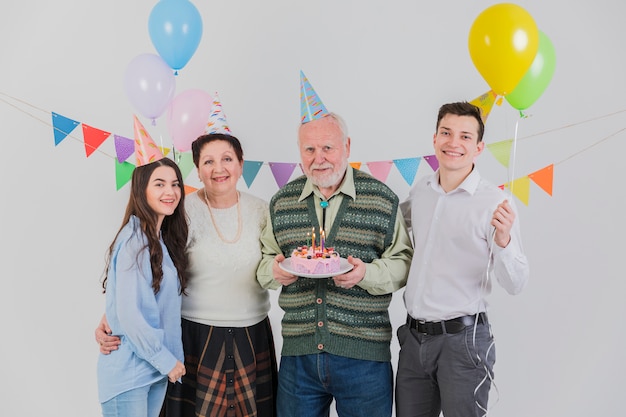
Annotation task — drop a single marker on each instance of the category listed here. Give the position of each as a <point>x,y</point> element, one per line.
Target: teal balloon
<point>175,28</point>
<point>537,78</point>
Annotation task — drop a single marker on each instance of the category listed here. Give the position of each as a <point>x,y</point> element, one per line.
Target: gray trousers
<point>449,372</point>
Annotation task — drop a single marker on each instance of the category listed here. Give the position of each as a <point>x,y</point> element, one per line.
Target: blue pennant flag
<point>250,170</point>
<point>62,127</point>
<point>408,168</point>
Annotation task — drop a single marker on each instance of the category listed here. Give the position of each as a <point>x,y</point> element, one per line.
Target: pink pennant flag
<point>282,172</point>
<point>380,169</point>
<point>432,161</point>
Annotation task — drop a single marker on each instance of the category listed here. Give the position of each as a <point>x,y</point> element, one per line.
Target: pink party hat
<point>311,107</point>
<point>146,150</point>
<point>217,118</point>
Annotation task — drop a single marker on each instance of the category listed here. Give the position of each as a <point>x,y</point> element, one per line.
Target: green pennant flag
<point>185,163</point>
<point>123,173</point>
<point>501,151</point>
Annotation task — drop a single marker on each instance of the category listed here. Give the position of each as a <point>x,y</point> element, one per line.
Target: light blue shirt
<point>147,323</point>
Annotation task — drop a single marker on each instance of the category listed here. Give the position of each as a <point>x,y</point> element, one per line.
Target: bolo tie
<point>323,205</point>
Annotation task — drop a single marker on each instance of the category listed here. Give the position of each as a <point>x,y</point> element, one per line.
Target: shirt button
<point>230,331</point>
<point>320,346</point>
<point>319,301</point>
<point>320,324</point>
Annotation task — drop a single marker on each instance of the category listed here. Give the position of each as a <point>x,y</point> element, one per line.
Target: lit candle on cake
<point>323,239</point>
<point>313,241</point>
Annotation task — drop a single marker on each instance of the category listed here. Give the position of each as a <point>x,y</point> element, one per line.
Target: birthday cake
<point>312,260</point>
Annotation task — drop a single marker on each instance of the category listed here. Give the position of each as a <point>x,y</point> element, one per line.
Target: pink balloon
<point>150,85</point>
<point>187,117</point>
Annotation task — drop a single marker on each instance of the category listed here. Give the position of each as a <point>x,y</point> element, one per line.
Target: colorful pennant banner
<point>93,138</point>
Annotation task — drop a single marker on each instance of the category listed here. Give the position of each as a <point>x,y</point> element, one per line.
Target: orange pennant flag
<point>189,189</point>
<point>93,138</point>
<point>544,178</point>
<point>355,165</point>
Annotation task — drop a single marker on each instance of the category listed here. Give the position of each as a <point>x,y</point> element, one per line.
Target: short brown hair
<point>462,108</point>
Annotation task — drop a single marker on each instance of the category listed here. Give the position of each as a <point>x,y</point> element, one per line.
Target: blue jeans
<point>307,385</point>
<point>448,372</point>
<point>139,402</point>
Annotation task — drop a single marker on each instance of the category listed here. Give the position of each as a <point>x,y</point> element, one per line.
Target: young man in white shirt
<point>465,235</point>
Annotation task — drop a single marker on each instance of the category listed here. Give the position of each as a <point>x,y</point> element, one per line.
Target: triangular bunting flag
<point>282,172</point>
<point>380,169</point>
<point>185,163</point>
<point>250,171</point>
<point>544,178</point>
<point>355,165</point>
<point>408,168</point>
<point>432,161</point>
<point>501,151</point>
<point>164,151</point>
<point>123,173</point>
<point>189,189</point>
<point>62,127</point>
<point>124,147</point>
<point>93,138</point>
<point>520,188</point>
<point>485,103</point>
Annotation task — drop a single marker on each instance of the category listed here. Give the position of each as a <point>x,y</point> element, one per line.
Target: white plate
<point>344,266</point>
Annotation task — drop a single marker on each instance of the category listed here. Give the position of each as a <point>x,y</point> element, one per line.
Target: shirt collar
<point>346,187</point>
<point>469,184</point>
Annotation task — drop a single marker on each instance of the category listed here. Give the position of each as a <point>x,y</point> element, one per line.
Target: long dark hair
<point>174,228</point>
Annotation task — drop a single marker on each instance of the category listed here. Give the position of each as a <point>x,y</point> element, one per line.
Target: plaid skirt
<point>231,372</point>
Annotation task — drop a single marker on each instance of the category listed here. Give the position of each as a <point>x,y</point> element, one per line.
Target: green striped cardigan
<point>319,316</point>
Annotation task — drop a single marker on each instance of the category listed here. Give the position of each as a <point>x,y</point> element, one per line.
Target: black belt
<point>447,326</point>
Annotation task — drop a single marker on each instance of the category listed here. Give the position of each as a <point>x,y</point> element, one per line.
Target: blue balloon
<point>175,28</point>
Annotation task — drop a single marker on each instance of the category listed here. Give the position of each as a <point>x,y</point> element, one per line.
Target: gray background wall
<point>386,67</point>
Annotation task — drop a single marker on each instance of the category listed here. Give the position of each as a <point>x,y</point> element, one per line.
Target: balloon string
<point>513,155</point>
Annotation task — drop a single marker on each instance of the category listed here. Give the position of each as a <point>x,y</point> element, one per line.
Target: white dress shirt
<point>455,258</point>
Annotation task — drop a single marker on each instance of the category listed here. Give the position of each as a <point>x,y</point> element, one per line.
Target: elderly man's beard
<point>328,180</point>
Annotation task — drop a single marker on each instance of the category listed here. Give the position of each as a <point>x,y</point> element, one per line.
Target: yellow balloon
<point>503,42</point>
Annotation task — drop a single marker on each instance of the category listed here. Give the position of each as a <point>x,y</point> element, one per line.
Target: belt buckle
<point>424,329</point>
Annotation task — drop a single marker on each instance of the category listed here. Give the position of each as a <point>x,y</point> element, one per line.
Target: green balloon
<point>537,78</point>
